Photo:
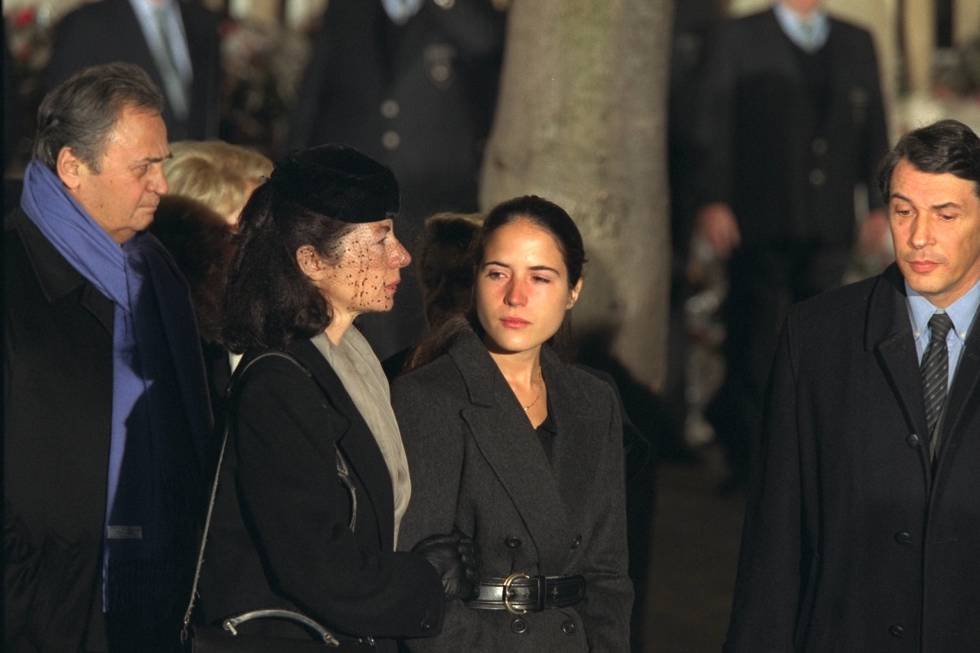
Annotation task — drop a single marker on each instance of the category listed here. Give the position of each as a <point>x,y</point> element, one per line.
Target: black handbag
<point>225,637</point>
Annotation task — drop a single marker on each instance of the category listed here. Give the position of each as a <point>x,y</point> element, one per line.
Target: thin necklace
<point>528,407</point>
<point>538,396</point>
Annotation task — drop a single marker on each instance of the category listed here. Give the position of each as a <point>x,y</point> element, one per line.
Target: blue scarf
<point>160,413</point>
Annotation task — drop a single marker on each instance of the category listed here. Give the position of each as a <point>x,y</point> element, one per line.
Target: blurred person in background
<point>445,274</point>
<point>413,84</point>
<point>220,175</point>
<point>107,426</point>
<point>210,181</point>
<point>175,42</point>
<point>791,124</point>
<point>201,242</point>
<point>523,451</point>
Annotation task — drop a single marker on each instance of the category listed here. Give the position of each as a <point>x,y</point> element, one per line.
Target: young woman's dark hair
<point>268,299</point>
<point>547,215</point>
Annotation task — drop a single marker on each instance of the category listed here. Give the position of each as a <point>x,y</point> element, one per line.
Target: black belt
<point>520,593</point>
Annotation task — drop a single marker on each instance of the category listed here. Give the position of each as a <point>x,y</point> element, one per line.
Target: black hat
<point>337,181</point>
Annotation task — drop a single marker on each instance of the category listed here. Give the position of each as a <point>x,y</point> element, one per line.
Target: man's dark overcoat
<point>108,31</point>
<point>477,465</point>
<point>280,536</point>
<point>853,541</point>
<point>57,403</point>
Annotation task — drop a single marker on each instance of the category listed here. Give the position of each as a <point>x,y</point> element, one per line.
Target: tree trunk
<point>582,121</point>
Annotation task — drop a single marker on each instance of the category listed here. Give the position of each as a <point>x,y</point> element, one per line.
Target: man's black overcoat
<point>853,541</point>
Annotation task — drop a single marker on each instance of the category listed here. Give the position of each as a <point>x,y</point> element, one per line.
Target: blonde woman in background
<point>220,175</point>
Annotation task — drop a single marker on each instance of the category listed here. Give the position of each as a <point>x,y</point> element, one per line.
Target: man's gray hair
<point>81,112</point>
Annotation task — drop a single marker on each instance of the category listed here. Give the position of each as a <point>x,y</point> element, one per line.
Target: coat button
<point>903,537</point>
<point>819,146</point>
<point>390,108</point>
<point>512,542</point>
<point>391,140</point>
<point>577,541</point>
<point>818,177</point>
<point>912,440</point>
<point>445,4</point>
<point>518,625</point>
<point>568,627</point>
<point>426,625</point>
<point>896,630</point>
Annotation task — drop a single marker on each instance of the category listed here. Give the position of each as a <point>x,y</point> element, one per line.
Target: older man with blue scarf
<point>107,422</point>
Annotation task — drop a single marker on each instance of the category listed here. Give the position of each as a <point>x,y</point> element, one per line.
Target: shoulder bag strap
<point>184,630</point>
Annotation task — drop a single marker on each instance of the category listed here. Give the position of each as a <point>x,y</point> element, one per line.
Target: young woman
<point>520,451</point>
<point>317,248</point>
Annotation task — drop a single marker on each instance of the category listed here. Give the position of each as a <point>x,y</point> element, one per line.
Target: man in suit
<point>791,123</point>
<point>106,416</point>
<point>413,85</point>
<point>863,522</point>
<point>176,42</point>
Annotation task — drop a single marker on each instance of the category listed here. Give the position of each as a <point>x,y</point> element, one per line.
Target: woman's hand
<point>456,560</point>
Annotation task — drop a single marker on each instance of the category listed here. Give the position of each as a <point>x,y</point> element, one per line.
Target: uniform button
<point>577,541</point>
<point>426,625</point>
<point>445,4</point>
<point>912,440</point>
<point>568,627</point>
<point>518,625</point>
<point>391,140</point>
<point>512,542</point>
<point>817,177</point>
<point>819,146</point>
<point>896,630</point>
<point>390,109</point>
<point>903,537</point>
<point>440,72</point>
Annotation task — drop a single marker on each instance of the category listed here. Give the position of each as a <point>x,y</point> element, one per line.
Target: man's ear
<point>310,262</point>
<point>573,295</point>
<point>70,168</point>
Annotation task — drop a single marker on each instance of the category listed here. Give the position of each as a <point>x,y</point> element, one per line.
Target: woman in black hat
<point>314,480</point>
<point>524,452</point>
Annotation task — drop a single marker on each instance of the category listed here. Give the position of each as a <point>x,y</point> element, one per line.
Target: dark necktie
<point>935,373</point>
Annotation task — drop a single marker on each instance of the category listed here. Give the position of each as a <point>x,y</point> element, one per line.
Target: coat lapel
<point>180,329</point>
<point>580,428</point>
<point>511,448</point>
<point>363,454</point>
<point>889,333</point>
<point>962,402</point>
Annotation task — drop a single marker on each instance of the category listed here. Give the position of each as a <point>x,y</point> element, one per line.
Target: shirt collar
<point>144,9</point>
<point>961,312</point>
<point>792,24</point>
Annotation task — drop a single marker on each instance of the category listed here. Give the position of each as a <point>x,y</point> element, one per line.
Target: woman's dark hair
<point>314,197</point>
<point>547,215</point>
<point>269,301</point>
<point>200,241</point>
<point>947,146</point>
